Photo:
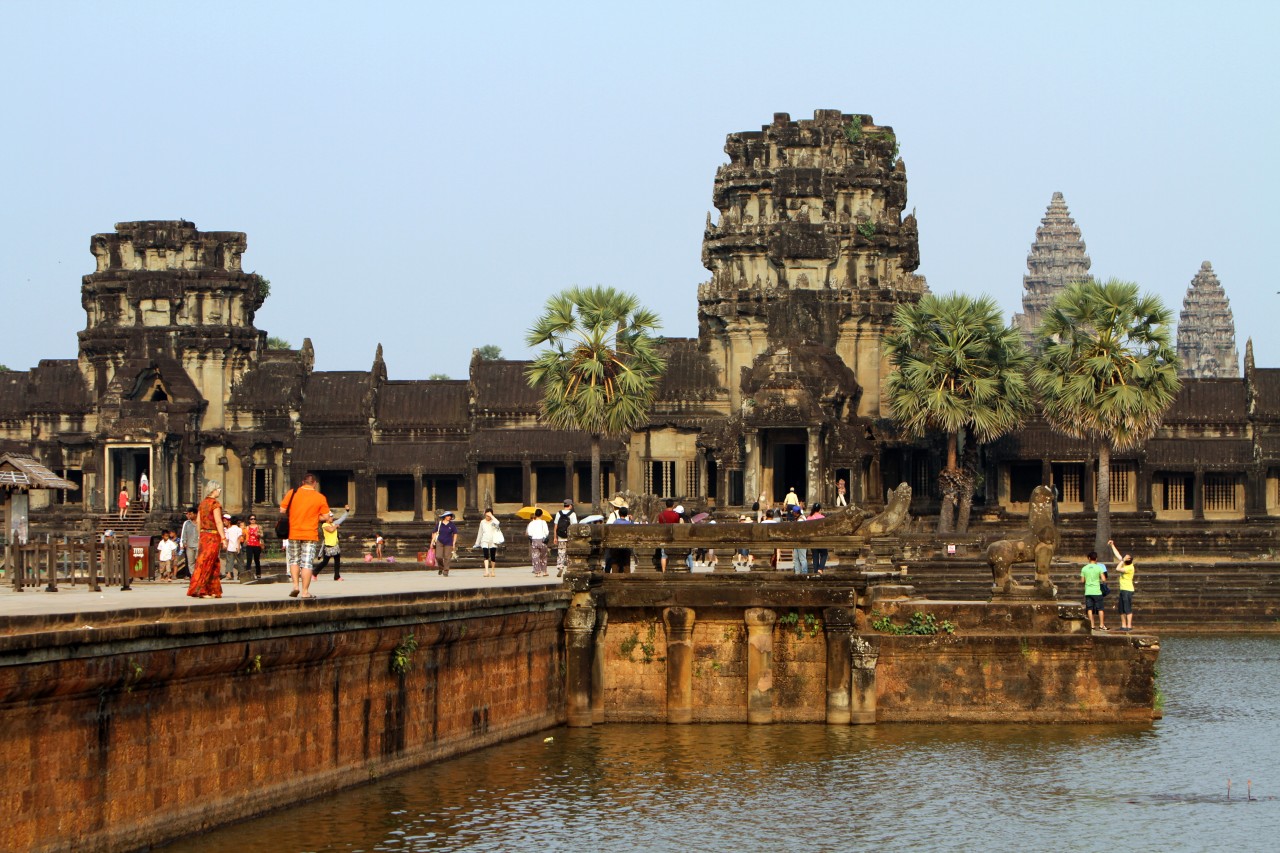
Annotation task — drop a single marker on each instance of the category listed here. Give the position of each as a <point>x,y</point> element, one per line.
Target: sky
<point>425,175</point>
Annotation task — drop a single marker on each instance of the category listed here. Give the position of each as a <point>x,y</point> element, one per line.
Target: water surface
<point>816,787</point>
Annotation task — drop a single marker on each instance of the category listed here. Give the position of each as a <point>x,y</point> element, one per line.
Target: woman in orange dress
<point>206,580</point>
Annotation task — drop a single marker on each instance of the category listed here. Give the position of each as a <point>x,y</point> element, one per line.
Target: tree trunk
<point>595,472</point>
<point>948,481</point>
<point>1104,500</point>
<point>969,484</point>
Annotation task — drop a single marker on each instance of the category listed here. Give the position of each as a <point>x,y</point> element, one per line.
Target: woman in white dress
<point>488,538</point>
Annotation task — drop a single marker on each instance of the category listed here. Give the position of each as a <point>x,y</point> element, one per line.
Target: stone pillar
<point>839,630</point>
<point>1197,506</point>
<point>1089,488</point>
<point>1046,476</point>
<point>679,622</point>
<point>751,467</point>
<point>246,481</point>
<point>598,668</point>
<point>579,630</point>
<point>526,479</point>
<point>569,490</point>
<point>418,500</point>
<point>760,664</point>
<point>1143,484</point>
<point>815,488</point>
<point>866,652</point>
<point>473,507</point>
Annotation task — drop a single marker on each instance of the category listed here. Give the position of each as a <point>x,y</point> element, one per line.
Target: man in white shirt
<point>560,535</point>
<point>233,560</point>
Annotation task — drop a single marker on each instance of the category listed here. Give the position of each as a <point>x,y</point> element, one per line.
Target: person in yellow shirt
<point>1124,568</point>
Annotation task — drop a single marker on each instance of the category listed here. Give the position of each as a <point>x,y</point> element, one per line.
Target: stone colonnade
<point>850,675</point>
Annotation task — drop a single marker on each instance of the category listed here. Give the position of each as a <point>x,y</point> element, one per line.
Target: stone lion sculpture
<point>895,516</point>
<point>1037,546</point>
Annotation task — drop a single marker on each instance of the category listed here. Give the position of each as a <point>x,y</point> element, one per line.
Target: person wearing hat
<point>444,541</point>
<point>560,535</point>
<point>618,503</point>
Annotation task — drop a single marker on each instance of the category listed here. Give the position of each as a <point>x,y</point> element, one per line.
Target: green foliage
<point>889,139</point>
<point>956,365</point>
<point>600,369</point>
<point>133,674</point>
<point>627,646</point>
<point>274,342</point>
<point>1106,367</point>
<point>402,655</point>
<point>801,625</point>
<point>1158,699</point>
<point>438,376</point>
<point>867,229</point>
<point>264,290</point>
<point>255,665</point>
<point>4,368</point>
<point>921,624</point>
<point>489,352</point>
<point>648,648</point>
<point>853,130</point>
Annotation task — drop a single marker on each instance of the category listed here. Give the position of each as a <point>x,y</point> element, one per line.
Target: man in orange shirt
<point>306,508</point>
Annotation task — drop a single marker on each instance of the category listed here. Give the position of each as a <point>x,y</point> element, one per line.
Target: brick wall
<point>132,734</point>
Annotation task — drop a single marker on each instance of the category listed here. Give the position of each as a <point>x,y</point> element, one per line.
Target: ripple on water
<point>813,787</point>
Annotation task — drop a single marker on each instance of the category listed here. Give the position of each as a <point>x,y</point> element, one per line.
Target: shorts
<point>301,553</point>
<point>1125,605</point>
<point>1093,603</point>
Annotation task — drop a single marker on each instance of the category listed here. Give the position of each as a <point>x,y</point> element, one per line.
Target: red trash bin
<point>140,556</point>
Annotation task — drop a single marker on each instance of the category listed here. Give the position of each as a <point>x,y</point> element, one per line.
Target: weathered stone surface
<point>1207,330</point>
<point>1057,259</point>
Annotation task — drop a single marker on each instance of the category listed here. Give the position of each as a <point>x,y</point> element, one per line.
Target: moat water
<point>1162,786</point>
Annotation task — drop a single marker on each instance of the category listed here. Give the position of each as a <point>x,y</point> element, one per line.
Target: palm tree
<point>600,370</point>
<point>956,367</point>
<point>1106,371</point>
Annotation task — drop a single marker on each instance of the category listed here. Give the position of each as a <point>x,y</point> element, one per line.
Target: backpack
<point>562,524</point>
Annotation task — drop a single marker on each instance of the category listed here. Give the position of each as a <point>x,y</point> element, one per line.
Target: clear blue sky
<point>424,175</point>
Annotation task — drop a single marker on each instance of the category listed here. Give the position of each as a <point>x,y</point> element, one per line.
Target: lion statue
<point>1037,546</point>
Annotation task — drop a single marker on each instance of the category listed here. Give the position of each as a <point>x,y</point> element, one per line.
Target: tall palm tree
<point>600,370</point>
<point>957,366</point>
<point>1106,371</point>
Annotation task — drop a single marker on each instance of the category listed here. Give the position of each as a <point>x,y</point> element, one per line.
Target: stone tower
<point>811,249</point>
<point>1206,330</point>
<point>166,295</point>
<point>1057,259</point>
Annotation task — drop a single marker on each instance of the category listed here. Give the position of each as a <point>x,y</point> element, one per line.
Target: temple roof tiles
<point>424,403</point>
<point>1209,400</point>
<point>500,385</point>
<point>690,372</point>
<point>333,398</point>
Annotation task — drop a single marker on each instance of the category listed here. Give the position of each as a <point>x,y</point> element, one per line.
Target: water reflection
<point>813,787</point>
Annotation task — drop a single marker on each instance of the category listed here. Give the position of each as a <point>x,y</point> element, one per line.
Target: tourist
<point>841,498</point>
<point>799,556</point>
<point>330,547</point>
<point>166,548</point>
<point>560,535</point>
<point>819,554</point>
<point>1093,574</point>
<point>253,547</point>
<point>669,515</point>
<point>122,501</point>
<point>538,533</point>
<point>618,503</point>
<point>488,537</point>
<point>233,561</point>
<point>1126,569</point>
<point>619,558</point>
<point>306,508</point>
<point>144,493</point>
<point>377,544</point>
<point>743,558</point>
<point>205,579</point>
<point>761,505</point>
<point>770,519</point>
<point>791,501</point>
<point>190,542</point>
<point>444,541</point>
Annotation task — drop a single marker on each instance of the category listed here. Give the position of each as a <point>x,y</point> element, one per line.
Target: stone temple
<point>809,253</point>
<point>1206,330</point>
<point>1057,259</point>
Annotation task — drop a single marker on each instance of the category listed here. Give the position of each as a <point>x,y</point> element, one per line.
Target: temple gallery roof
<point>23,472</point>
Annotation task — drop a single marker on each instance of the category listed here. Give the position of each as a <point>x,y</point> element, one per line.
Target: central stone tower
<point>809,259</point>
<point>811,249</point>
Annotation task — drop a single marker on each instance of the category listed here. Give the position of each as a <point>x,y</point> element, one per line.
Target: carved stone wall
<point>1207,330</point>
<point>1057,259</point>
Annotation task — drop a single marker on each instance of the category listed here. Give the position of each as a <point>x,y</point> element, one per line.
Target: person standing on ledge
<point>306,508</point>
<point>537,532</point>
<point>1126,569</point>
<point>1092,575</point>
<point>122,501</point>
<point>560,535</point>
<point>444,540</point>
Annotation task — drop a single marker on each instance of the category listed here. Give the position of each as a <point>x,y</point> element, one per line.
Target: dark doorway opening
<point>334,485</point>
<point>789,470</point>
<point>128,465</point>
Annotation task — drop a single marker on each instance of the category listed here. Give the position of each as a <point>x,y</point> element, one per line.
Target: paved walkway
<point>78,599</point>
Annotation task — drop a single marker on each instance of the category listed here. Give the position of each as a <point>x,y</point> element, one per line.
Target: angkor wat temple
<point>809,257</point>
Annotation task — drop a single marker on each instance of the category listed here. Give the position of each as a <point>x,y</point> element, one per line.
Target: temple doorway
<point>126,463</point>
<point>788,456</point>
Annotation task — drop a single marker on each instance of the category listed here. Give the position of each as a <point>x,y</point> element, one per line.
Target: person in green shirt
<point>1092,574</point>
<point>1125,567</point>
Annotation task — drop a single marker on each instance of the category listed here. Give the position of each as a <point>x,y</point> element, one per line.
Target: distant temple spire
<point>1207,330</point>
<point>1057,259</point>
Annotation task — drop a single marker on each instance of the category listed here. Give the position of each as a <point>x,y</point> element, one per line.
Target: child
<point>166,546</point>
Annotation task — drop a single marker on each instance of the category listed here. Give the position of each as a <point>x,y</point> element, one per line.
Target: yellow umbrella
<point>527,512</point>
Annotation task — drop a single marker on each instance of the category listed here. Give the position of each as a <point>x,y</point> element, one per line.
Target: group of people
<point>1094,577</point>
<point>215,544</point>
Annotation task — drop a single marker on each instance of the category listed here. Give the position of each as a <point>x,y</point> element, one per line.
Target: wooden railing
<point>68,559</point>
